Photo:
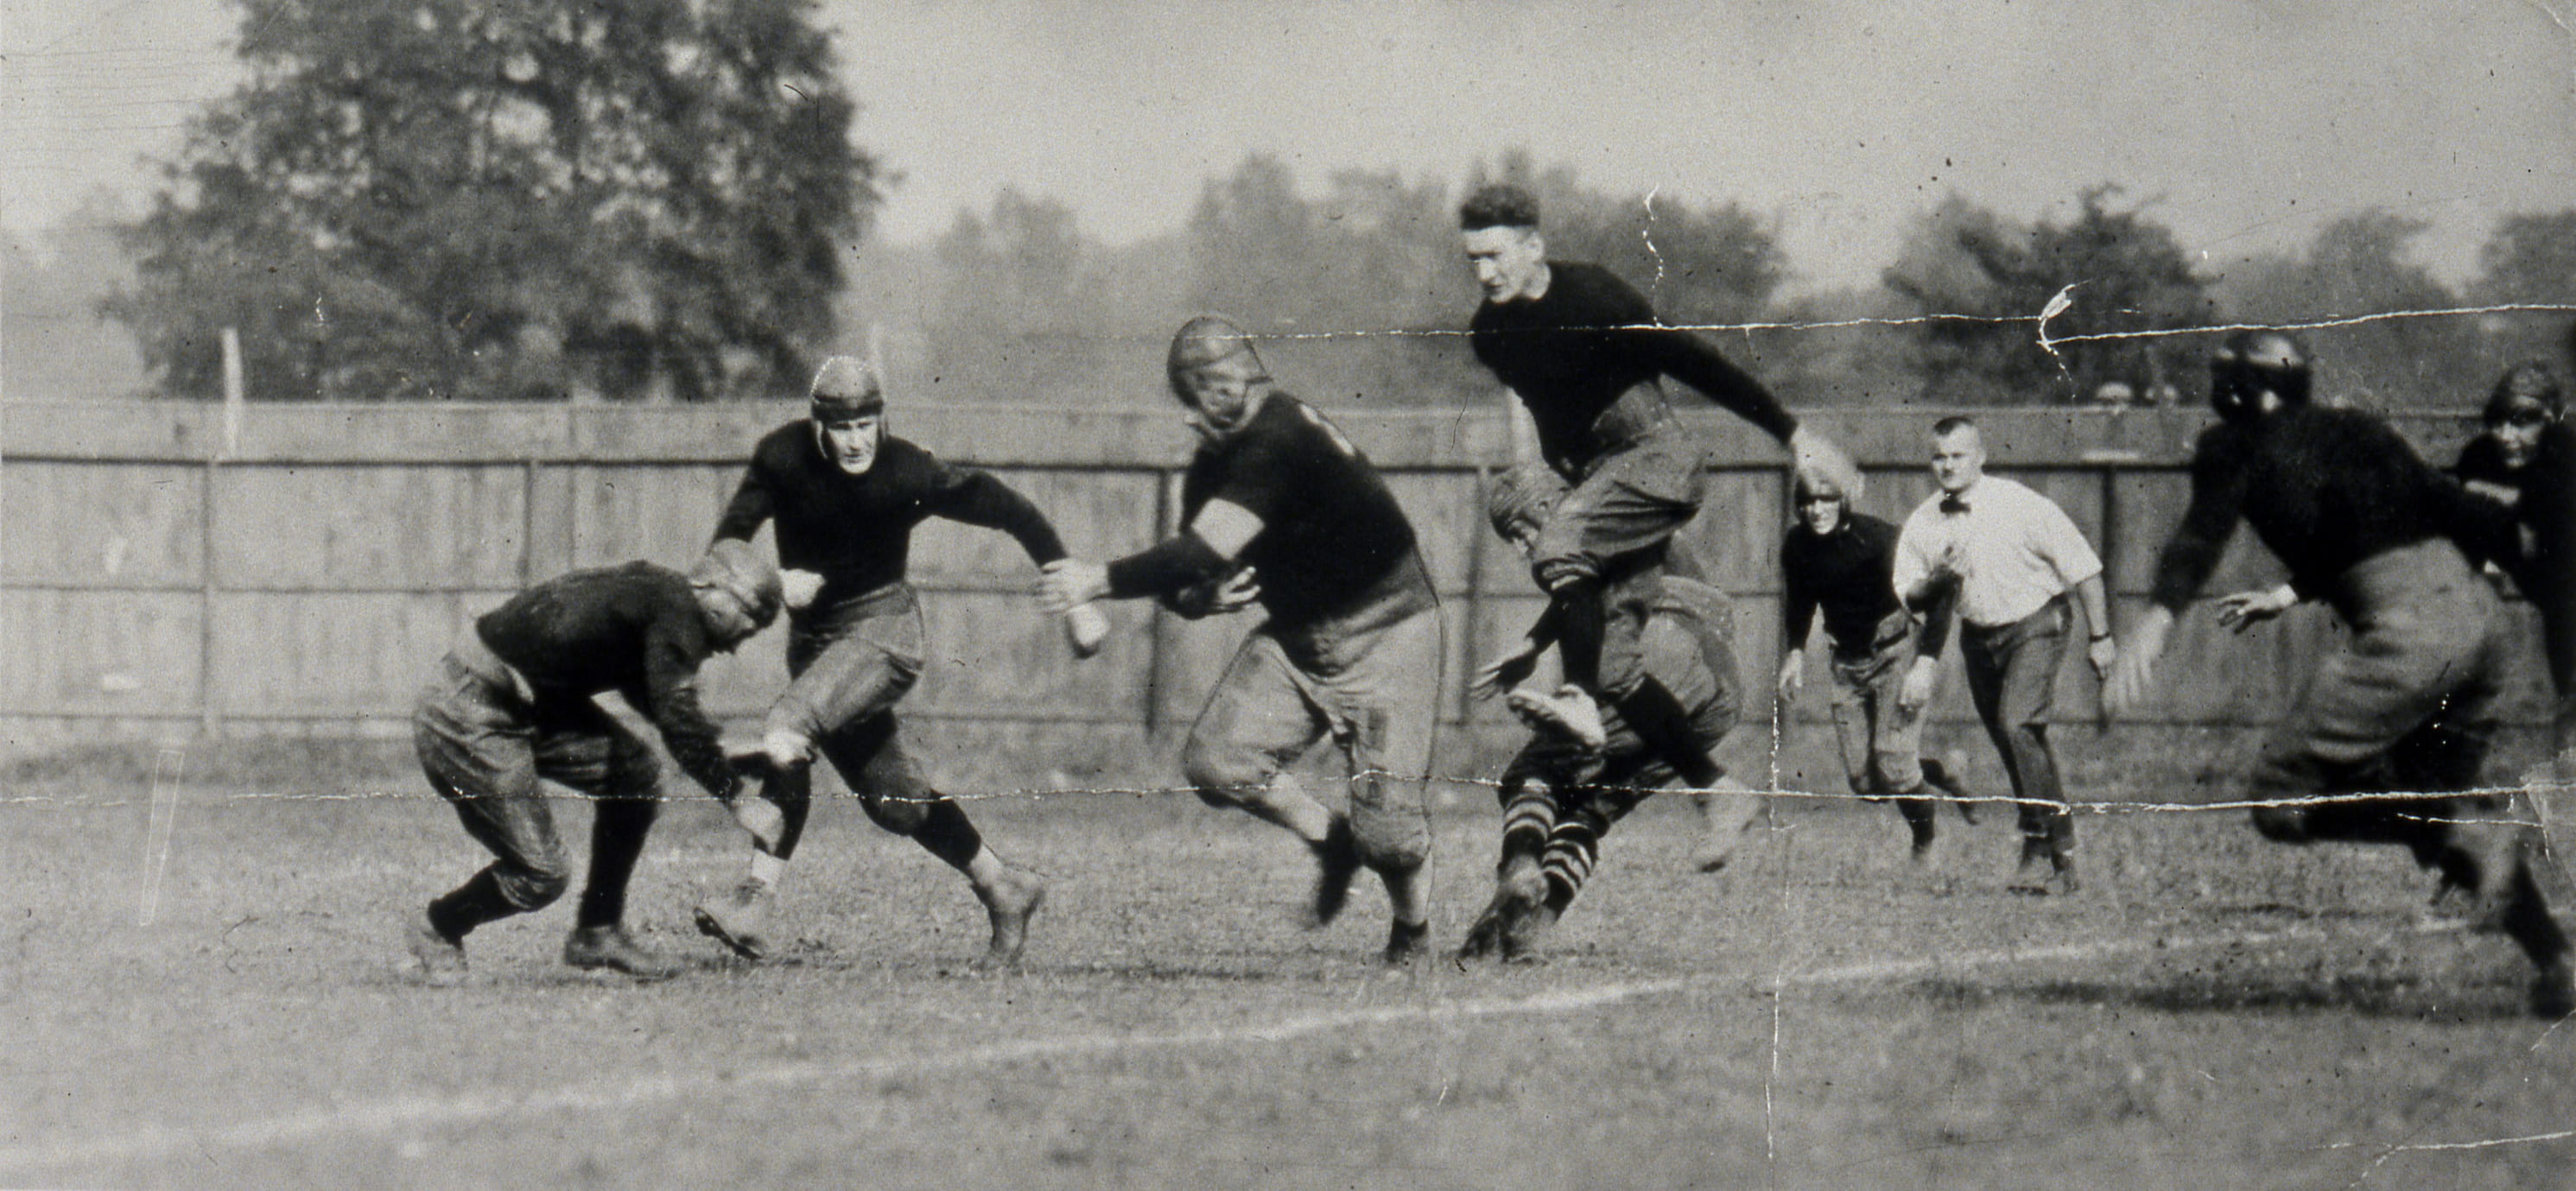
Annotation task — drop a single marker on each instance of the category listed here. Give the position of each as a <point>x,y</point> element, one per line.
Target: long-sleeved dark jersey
<point>1585,355</point>
<point>856,531</point>
<point>1849,574</point>
<point>1333,540</point>
<point>2545,568</point>
<point>2325,489</point>
<point>634,629</point>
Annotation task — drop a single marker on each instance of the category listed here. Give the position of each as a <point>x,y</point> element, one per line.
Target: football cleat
<point>740,921</point>
<point>439,961</point>
<point>607,948</point>
<point>1010,904</point>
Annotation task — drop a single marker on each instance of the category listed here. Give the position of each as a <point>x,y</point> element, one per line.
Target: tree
<point>457,199</point>
<point>2358,266</point>
<point>1982,284</point>
<point>1014,270</point>
<point>53,344</point>
<point>2531,260</point>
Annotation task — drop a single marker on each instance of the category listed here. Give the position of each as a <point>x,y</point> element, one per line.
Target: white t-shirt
<point>2014,550</point>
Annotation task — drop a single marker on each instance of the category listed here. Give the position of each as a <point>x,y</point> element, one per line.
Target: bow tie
<point>1954,504</point>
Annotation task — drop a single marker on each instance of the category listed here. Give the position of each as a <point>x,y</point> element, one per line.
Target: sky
<point>2245,124</point>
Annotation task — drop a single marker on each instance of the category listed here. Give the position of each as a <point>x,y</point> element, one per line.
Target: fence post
<point>210,718</point>
<point>1158,646</point>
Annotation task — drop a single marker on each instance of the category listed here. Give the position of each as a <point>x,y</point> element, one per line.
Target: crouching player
<point>512,708</point>
<point>1842,562</point>
<point>1560,795</point>
<point>846,495</point>
<point>1352,644</point>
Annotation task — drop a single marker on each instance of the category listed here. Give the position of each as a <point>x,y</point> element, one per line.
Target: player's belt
<point>1636,415</point>
<point>478,660</point>
<point>840,612</point>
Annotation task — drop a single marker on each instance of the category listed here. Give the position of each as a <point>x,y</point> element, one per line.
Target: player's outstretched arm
<point>1204,551</point>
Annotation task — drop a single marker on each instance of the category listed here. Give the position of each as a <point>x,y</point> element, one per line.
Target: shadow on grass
<point>2412,998</point>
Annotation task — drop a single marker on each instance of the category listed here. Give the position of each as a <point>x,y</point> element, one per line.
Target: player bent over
<point>1842,562</point>
<point>1560,795</point>
<point>2407,702</point>
<point>845,496</point>
<point>511,709</point>
<point>1351,648</point>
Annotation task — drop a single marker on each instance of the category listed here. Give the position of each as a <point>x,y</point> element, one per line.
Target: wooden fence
<point>163,575</point>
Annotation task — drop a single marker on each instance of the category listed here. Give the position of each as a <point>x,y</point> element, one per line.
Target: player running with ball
<point>1352,645</point>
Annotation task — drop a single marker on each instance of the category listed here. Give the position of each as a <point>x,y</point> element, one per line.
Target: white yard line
<point>410,1114</point>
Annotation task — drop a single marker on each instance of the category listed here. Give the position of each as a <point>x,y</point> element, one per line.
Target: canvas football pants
<point>1374,689</point>
<point>488,748</point>
<point>849,667</point>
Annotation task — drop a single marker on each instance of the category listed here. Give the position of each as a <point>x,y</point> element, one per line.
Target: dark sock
<point>792,791</point>
<point>470,905</point>
<point>949,834</point>
<point>1918,818</point>
<point>617,836</point>
<point>1664,725</point>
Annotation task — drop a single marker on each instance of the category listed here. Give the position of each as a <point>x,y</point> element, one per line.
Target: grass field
<point>2214,1011</point>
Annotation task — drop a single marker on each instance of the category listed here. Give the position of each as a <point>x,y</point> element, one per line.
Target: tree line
<point>661,200</point>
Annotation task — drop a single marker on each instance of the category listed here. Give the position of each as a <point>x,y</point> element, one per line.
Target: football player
<point>1561,795</point>
<point>513,707</point>
<point>1585,355</point>
<point>2407,703</point>
<point>845,495</point>
<point>1351,646</point>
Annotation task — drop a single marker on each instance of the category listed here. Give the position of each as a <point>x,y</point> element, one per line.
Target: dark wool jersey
<point>1585,355</point>
<point>634,629</point>
<point>1333,541</point>
<point>1848,573</point>
<point>856,531</point>
<point>2546,569</point>
<point>2325,489</point>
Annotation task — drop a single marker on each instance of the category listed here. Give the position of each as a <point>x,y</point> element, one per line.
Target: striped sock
<point>1529,816</point>
<point>1572,849</point>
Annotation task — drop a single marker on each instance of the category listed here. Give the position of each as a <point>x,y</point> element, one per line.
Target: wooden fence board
<point>350,543</point>
<point>105,525</point>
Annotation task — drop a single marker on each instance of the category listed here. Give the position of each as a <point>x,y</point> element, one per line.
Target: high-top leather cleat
<point>1009,904</point>
<point>1407,942</point>
<point>607,948</point>
<point>1517,891</point>
<point>740,921</point>
<point>2046,868</point>
<point>439,961</point>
